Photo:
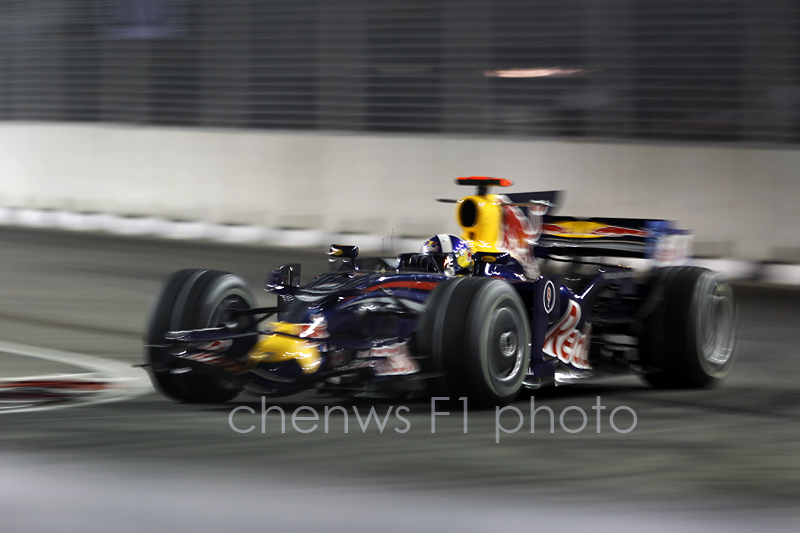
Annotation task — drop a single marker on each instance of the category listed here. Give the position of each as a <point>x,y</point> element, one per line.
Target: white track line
<point>127,381</point>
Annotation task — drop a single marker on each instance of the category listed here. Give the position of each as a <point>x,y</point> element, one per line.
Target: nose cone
<point>284,343</point>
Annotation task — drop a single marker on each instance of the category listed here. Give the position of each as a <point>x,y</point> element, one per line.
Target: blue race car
<point>521,298</point>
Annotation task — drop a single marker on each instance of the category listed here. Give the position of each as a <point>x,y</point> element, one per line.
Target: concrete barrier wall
<point>741,202</point>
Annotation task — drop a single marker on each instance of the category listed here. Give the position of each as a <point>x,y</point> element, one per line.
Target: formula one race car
<point>522,298</point>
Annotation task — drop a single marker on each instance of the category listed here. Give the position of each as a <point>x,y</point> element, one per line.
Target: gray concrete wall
<point>740,202</point>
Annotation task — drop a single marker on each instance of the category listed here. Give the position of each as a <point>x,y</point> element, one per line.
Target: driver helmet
<point>459,255</point>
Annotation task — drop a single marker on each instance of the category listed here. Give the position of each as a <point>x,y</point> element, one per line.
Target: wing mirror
<point>283,278</point>
<point>342,257</point>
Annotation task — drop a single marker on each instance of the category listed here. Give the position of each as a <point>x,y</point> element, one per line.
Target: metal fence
<point>688,70</point>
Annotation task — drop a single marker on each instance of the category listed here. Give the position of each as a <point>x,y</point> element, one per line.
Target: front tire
<point>194,299</point>
<point>690,335</point>
<point>477,332</point>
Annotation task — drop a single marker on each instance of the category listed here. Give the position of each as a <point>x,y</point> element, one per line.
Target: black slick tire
<point>477,333</point>
<point>194,299</point>
<point>688,340</point>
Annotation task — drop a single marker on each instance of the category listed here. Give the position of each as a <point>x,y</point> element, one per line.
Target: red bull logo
<point>585,229</point>
<point>520,232</point>
<point>566,342</point>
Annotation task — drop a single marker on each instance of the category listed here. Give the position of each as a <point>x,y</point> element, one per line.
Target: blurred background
<point>312,114</point>
<point>701,70</point>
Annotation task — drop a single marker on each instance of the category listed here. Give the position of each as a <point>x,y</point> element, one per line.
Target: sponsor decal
<point>387,360</point>
<point>584,229</point>
<point>566,342</point>
<point>213,354</point>
<point>216,346</point>
<point>549,296</point>
<point>672,250</point>
<point>395,360</point>
<point>521,232</point>
<point>372,303</point>
<point>318,329</point>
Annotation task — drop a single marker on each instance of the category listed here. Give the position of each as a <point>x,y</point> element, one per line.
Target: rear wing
<point>657,240</point>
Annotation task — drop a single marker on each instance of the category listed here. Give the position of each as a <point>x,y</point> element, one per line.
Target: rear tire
<point>193,299</point>
<point>477,332</point>
<point>690,335</point>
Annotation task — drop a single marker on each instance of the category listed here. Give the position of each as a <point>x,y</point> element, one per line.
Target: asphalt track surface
<point>696,460</point>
